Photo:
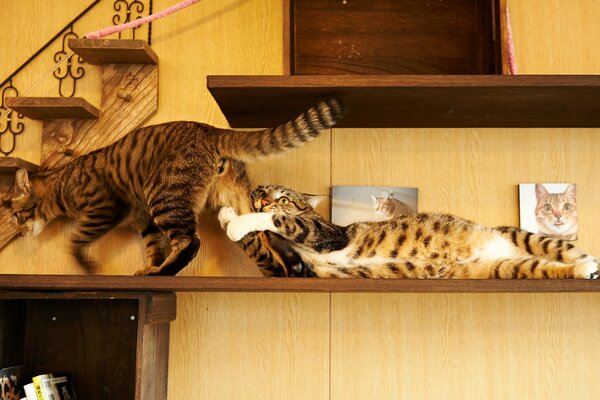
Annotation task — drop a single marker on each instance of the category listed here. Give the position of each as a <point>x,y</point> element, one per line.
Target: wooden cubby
<point>327,37</point>
<point>114,345</point>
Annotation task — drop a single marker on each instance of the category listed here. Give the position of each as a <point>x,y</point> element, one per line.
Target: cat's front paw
<point>226,214</point>
<point>586,270</point>
<point>237,228</point>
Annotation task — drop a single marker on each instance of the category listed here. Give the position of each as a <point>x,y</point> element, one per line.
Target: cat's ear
<point>22,184</point>
<point>385,195</point>
<point>571,190</point>
<point>540,191</point>
<point>374,200</point>
<point>315,200</point>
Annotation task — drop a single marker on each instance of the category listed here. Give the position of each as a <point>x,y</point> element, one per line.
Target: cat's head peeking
<point>25,204</point>
<point>275,198</point>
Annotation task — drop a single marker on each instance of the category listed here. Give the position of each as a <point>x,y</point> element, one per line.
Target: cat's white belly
<point>342,258</point>
<point>339,257</point>
<point>497,247</point>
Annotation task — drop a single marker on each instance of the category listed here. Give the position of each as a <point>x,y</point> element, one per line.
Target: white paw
<point>226,214</point>
<point>244,224</point>
<point>586,270</point>
<point>237,229</point>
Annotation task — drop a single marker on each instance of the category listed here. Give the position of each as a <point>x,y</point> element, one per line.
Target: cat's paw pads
<point>226,214</point>
<point>587,270</point>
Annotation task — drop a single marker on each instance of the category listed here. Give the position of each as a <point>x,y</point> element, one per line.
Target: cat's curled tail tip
<point>336,107</point>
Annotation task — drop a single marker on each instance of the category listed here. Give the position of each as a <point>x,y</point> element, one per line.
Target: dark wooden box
<point>377,37</point>
<point>114,345</point>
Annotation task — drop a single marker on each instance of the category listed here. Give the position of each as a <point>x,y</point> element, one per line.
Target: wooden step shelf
<point>8,165</point>
<point>415,101</point>
<point>45,108</point>
<point>114,51</point>
<point>241,284</point>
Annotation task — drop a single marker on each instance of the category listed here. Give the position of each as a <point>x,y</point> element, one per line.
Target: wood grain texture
<point>9,165</point>
<point>455,346</point>
<point>114,344</point>
<point>163,309</point>
<point>58,329</point>
<point>392,37</point>
<point>9,229</point>
<point>46,108</point>
<point>380,101</point>
<point>119,115</point>
<point>255,346</point>
<point>116,51</point>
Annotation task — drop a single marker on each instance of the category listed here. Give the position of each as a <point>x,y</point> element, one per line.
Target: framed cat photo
<point>371,203</point>
<point>549,209</point>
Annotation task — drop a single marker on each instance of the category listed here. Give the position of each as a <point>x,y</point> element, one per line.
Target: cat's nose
<point>264,201</point>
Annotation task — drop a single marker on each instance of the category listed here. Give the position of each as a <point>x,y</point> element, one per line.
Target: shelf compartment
<point>324,37</point>
<point>242,284</point>
<point>114,51</point>
<point>46,108</point>
<point>75,332</point>
<point>414,101</point>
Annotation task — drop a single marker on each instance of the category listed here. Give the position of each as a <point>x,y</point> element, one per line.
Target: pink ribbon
<point>140,21</point>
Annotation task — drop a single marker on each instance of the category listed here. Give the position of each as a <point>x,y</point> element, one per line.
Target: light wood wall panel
<point>250,346</point>
<point>464,346</point>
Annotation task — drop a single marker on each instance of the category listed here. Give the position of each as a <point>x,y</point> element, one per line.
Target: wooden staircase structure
<point>72,126</point>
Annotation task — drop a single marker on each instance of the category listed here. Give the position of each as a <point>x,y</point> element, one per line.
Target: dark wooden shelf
<point>240,284</point>
<point>387,101</point>
<point>53,107</point>
<point>114,51</point>
<point>11,164</point>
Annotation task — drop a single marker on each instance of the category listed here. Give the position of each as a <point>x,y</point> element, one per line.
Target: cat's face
<point>274,198</point>
<point>25,205</point>
<point>381,205</point>
<point>556,212</point>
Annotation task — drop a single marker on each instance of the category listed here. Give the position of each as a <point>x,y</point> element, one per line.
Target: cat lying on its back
<point>423,245</point>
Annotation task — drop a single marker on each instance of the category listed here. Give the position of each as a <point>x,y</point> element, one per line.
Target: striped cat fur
<point>157,179</point>
<point>416,245</point>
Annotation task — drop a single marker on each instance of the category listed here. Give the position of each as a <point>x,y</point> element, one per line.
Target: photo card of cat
<point>371,203</point>
<point>549,209</point>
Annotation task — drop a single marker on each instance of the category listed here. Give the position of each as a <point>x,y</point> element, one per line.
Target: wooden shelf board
<point>113,51</point>
<point>53,107</point>
<point>11,164</point>
<point>390,101</point>
<point>240,284</point>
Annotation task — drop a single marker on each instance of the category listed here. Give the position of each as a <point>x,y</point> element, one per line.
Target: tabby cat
<point>157,179</point>
<point>390,207</point>
<point>417,245</point>
<point>556,213</point>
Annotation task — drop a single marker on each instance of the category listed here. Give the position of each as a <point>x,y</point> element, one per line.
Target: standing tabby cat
<point>556,213</point>
<point>423,245</point>
<point>157,179</point>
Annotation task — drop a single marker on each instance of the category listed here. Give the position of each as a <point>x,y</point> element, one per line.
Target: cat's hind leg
<point>157,245</point>
<point>531,244</point>
<point>178,223</point>
<point>527,267</point>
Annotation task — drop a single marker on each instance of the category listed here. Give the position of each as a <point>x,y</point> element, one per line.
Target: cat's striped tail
<point>248,145</point>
